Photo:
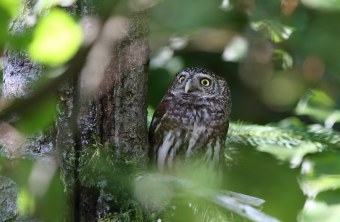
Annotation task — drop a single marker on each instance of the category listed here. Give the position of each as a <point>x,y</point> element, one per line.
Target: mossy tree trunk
<point>113,114</point>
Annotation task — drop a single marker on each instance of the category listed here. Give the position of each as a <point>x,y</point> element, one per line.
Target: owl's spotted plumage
<point>192,120</point>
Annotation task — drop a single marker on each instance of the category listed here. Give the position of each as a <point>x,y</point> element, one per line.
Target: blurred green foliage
<point>286,82</point>
<point>8,9</point>
<point>113,178</point>
<point>303,58</point>
<point>37,117</point>
<point>41,192</point>
<point>289,78</point>
<point>57,45</point>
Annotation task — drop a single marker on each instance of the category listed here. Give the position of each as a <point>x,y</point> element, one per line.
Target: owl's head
<point>193,81</point>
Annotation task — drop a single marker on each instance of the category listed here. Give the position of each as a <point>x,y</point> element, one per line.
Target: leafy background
<point>280,59</point>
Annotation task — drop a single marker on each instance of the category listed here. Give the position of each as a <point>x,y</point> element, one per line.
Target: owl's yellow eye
<point>205,82</point>
<point>181,78</point>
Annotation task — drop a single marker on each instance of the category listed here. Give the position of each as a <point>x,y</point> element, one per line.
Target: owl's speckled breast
<point>186,127</point>
<point>196,111</point>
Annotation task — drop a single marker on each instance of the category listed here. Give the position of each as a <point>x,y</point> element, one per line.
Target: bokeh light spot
<point>288,6</point>
<point>282,92</point>
<point>25,203</point>
<point>313,68</point>
<point>57,38</point>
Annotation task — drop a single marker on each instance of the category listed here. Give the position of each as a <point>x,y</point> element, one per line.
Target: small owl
<point>191,122</point>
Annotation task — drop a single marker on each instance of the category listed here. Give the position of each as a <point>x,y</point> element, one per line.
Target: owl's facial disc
<point>194,85</point>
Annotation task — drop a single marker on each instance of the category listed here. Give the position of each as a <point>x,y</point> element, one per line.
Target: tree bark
<point>114,113</point>
<point>19,75</point>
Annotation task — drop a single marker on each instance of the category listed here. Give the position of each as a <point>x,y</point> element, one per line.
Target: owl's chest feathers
<point>197,123</point>
<point>200,120</point>
<point>191,130</point>
<point>194,115</point>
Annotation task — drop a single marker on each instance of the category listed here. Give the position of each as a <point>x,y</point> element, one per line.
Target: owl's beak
<point>188,86</point>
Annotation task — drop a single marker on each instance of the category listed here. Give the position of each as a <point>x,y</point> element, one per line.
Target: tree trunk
<point>113,113</point>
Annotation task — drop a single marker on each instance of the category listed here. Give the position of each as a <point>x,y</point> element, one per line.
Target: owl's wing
<point>157,116</point>
<point>156,120</point>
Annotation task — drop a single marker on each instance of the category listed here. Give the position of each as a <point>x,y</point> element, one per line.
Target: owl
<point>191,122</point>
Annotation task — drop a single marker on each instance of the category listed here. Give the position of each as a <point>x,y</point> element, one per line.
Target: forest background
<point>80,76</point>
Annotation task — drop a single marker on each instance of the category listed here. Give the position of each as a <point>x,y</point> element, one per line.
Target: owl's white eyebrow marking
<point>203,75</point>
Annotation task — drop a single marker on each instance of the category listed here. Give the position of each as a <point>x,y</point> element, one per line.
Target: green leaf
<point>41,193</point>
<point>185,200</point>
<point>8,9</point>
<point>11,6</point>
<point>274,30</point>
<point>26,203</point>
<point>57,38</point>
<point>321,173</point>
<point>285,58</point>
<point>319,106</point>
<point>286,144</point>
<point>47,4</point>
<point>316,211</point>
<point>330,5</point>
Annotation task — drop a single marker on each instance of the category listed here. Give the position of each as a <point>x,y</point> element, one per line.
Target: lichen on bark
<point>8,194</point>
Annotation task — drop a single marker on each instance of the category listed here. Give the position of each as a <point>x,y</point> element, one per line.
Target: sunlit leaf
<point>319,106</point>
<point>322,183</point>
<point>25,202</point>
<point>236,49</point>
<point>286,144</point>
<point>315,211</point>
<point>10,6</point>
<point>57,38</point>
<point>321,173</point>
<point>46,4</point>
<point>294,156</point>
<point>320,98</point>
<point>322,4</point>
<point>225,5</point>
<point>275,31</point>
<point>287,60</point>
